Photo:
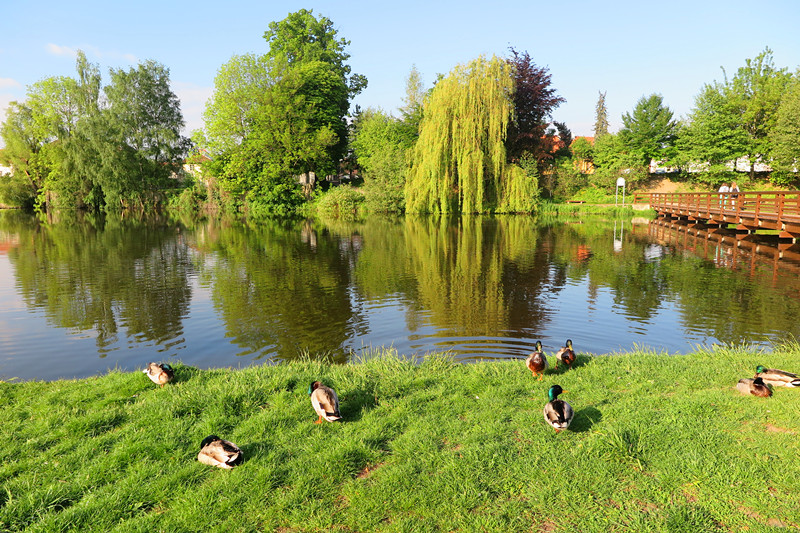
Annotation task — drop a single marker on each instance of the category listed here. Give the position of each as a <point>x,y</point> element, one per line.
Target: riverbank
<point>659,443</point>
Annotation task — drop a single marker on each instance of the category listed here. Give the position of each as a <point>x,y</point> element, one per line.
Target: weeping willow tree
<point>459,162</point>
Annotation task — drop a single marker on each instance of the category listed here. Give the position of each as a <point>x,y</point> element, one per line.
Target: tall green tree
<point>45,135</point>
<point>601,116</point>
<point>275,116</point>
<point>412,109</point>
<point>733,119</point>
<point>712,137</point>
<point>24,154</point>
<point>290,136</point>
<point>784,137</point>
<point>755,94</point>
<point>649,132</point>
<point>143,146</point>
<point>460,160</point>
<point>302,38</point>
<point>233,106</point>
<point>79,149</point>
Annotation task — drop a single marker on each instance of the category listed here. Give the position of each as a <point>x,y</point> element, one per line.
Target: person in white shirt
<point>722,196</point>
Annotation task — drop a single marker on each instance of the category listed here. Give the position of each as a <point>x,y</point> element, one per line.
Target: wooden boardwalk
<point>751,211</point>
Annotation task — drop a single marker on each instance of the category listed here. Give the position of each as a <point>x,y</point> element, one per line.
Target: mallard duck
<point>777,378</point>
<point>557,413</point>
<point>219,452</point>
<point>325,402</point>
<point>537,361</point>
<point>754,386</point>
<point>566,354</point>
<point>159,373</point>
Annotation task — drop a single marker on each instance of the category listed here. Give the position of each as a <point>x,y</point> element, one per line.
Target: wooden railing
<point>751,210</point>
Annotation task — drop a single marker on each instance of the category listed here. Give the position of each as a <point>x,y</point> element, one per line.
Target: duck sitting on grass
<point>159,373</point>
<point>566,354</point>
<point>219,452</point>
<point>754,386</point>
<point>537,361</point>
<point>325,402</point>
<point>558,413</point>
<point>777,378</point>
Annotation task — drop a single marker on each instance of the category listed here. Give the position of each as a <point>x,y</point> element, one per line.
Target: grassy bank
<point>659,443</point>
<point>575,209</point>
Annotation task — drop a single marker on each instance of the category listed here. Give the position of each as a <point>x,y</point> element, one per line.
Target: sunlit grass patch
<point>658,443</point>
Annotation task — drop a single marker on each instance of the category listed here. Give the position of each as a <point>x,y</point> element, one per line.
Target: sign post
<point>620,183</point>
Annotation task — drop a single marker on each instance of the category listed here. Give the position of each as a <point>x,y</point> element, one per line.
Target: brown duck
<point>537,361</point>
<point>754,386</point>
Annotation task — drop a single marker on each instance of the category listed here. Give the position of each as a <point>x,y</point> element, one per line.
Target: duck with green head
<point>557,413</point>
<point>537,361</point>
<point>159,373</point>
<point>777,378</point>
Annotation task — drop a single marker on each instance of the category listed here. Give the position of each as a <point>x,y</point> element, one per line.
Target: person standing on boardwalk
<point>723,189</point>
<point>733,190</point>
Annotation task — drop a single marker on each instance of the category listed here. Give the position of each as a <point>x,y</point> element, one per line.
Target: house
<point>193,165</point>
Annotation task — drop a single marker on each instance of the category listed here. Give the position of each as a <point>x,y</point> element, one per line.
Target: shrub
<point>342,201</point>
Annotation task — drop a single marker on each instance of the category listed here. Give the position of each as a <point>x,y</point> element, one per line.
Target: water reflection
<point>729,248</point>
<point>81,294</point>
<point>98,275</point>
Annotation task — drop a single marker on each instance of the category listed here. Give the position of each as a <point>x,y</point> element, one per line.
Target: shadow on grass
<point>355,404</point>
<point>184,374</point>
<point>585,418</point>
<point>580,360</point>
<point>254,450</point>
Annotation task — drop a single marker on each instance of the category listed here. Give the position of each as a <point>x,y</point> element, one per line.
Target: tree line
<point>481,139</point>
<point>74,143</point>
<point>749,119</point>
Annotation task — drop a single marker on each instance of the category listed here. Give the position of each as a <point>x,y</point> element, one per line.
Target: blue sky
<point>628,49</point>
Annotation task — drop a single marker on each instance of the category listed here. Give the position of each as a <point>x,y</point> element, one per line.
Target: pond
<point>81,294</point>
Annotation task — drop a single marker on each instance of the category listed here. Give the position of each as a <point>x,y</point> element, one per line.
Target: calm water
<point>81,294</point>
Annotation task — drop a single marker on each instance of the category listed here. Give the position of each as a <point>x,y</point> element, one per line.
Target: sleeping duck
<point>557,413</point>
<point>537,361</point>
<point>777,378</point>
<point>219,452</point>
<point>566,354</point>
<point>754,386</point>
<point>159,373</point>
<point>325,402</point>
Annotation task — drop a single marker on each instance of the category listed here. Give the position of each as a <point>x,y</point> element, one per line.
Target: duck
<point>566,354</point>
<point>325,402</point>
<point>537,361</point>
<point>754,386</point>
<point>159,373</point>
<point>219,452</point>
<point>557,413</point>
<point>777,378</point>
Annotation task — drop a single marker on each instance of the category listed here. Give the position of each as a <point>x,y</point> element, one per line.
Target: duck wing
<point>558,414</point>
<point>779,378</point>
<point>326,403</point>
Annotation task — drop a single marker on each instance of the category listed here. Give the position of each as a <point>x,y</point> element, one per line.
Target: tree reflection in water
<point>222,292</point>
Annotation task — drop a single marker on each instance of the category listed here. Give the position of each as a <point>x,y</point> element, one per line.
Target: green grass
<point>547,208</point>
<point>658,443</point>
